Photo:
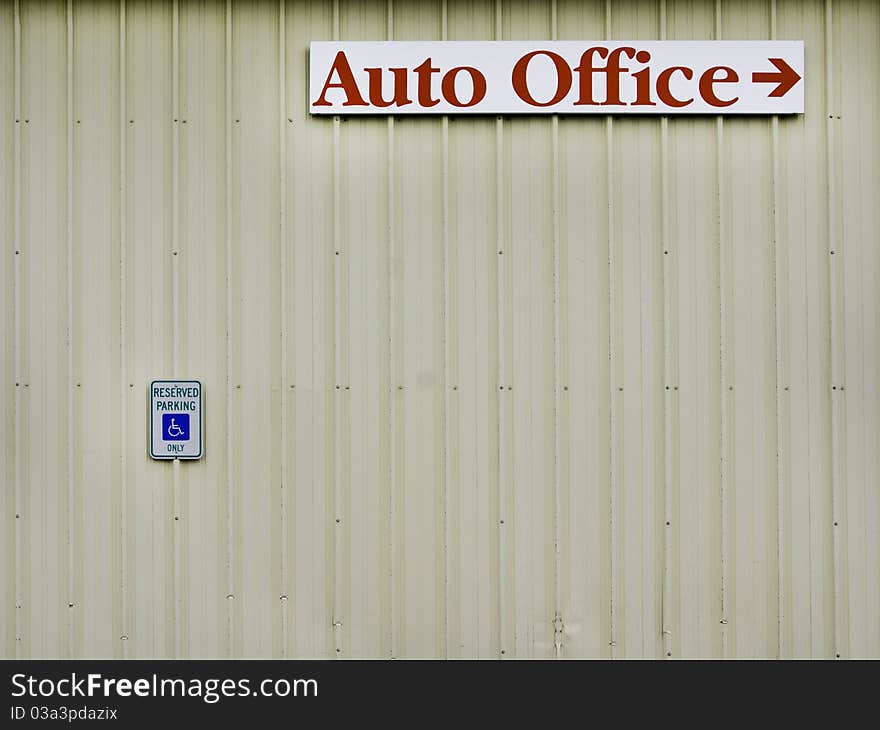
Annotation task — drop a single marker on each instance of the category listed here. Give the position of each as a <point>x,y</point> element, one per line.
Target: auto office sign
<point>557,77</point>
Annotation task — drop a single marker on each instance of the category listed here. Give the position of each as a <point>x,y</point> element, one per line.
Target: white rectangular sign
<point>176,419</point>
<point>563,77</point>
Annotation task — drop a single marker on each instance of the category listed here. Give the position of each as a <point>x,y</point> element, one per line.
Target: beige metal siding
<point>475,386</point>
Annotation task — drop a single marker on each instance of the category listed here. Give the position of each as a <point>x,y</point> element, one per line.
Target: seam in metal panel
<point>123,316</point>
<point>337,379</point>
<point>836,355</point>
<point>282,225</point>
<point>668,377</point>
<point>394,619</point>
<point>444,384</point>
<point>177,631</point>
<point>777,314</point>
<point>612,373</point>
<point>722,286</point>
<point>16,303</point>
<point>502,488</point>
<point>71,510</point>
<point>558,625</point>
<point>230,573</point>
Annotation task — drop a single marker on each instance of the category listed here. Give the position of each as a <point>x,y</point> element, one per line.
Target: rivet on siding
<point>668,523</point>
<point>338,651</point>
<point>503,651</point>
<point>667,387</point>
<point>337,624</point>
<point>455,387</point>
<point>174,252</point>
<point>337,387</point>
<point>620,389</point>
<point>668,653</point>
<point>79,385</point>
<point>400,387</point>
<point>500,253</point>
<point>131,385</point>
<point>70,605</point>
<point>837,656</point>
<point>835,524</point>
<point>238,387</point>
<point>17,252</point>
<point>18,517</point>
<point>292,387</point>
<point>17,385</point>
<point>730,388</point>
<point>675,388</point>
<point>338,520</point>
<point>283,598</point>
<point>27,121</point>
<point>77,121</point>
<point>230,596</point>
<point>348,387</point>
<point>502,522</point>
<point>666,253</point>
<point>723,621</point>
<point>565,387</point>
<point>290,120</point>
<point>831,252</point>
<point>123,638</point>
<point>131,121</point>
<point>176,518</point>
<point>500,387</point>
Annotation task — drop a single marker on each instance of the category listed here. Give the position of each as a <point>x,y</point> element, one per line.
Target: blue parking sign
<point>175,426</point>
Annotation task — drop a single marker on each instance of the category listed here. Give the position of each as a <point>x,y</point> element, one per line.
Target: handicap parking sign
<point>176,419</point>
<point>175,426</point>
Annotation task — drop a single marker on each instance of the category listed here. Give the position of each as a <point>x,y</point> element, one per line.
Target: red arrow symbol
<point>787,77</point>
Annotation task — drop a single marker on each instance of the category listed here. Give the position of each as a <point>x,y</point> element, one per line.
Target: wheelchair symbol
<point>175,426</point>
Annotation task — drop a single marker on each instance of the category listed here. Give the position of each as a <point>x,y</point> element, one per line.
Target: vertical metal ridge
<point>558,624</point>
<point>123,316</point>
<point>612,374</point>
<point>777,314</point>
<point>230,565</point>
<point>177,629</point>
<point>444,378</point>
<point>394,619</point>
<point>337,379</point>
<point>282,226</point>
<point>722,287</point>
<point>502,487</point>
<point>16,317</point>
<point>71,507</point>
<point>669,378</point>
<point>836,356</point>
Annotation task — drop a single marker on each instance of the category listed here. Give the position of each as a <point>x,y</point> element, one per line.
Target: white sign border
<point>190,457</point>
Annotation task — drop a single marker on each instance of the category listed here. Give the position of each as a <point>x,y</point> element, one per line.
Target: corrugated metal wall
<point>521,387</point>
